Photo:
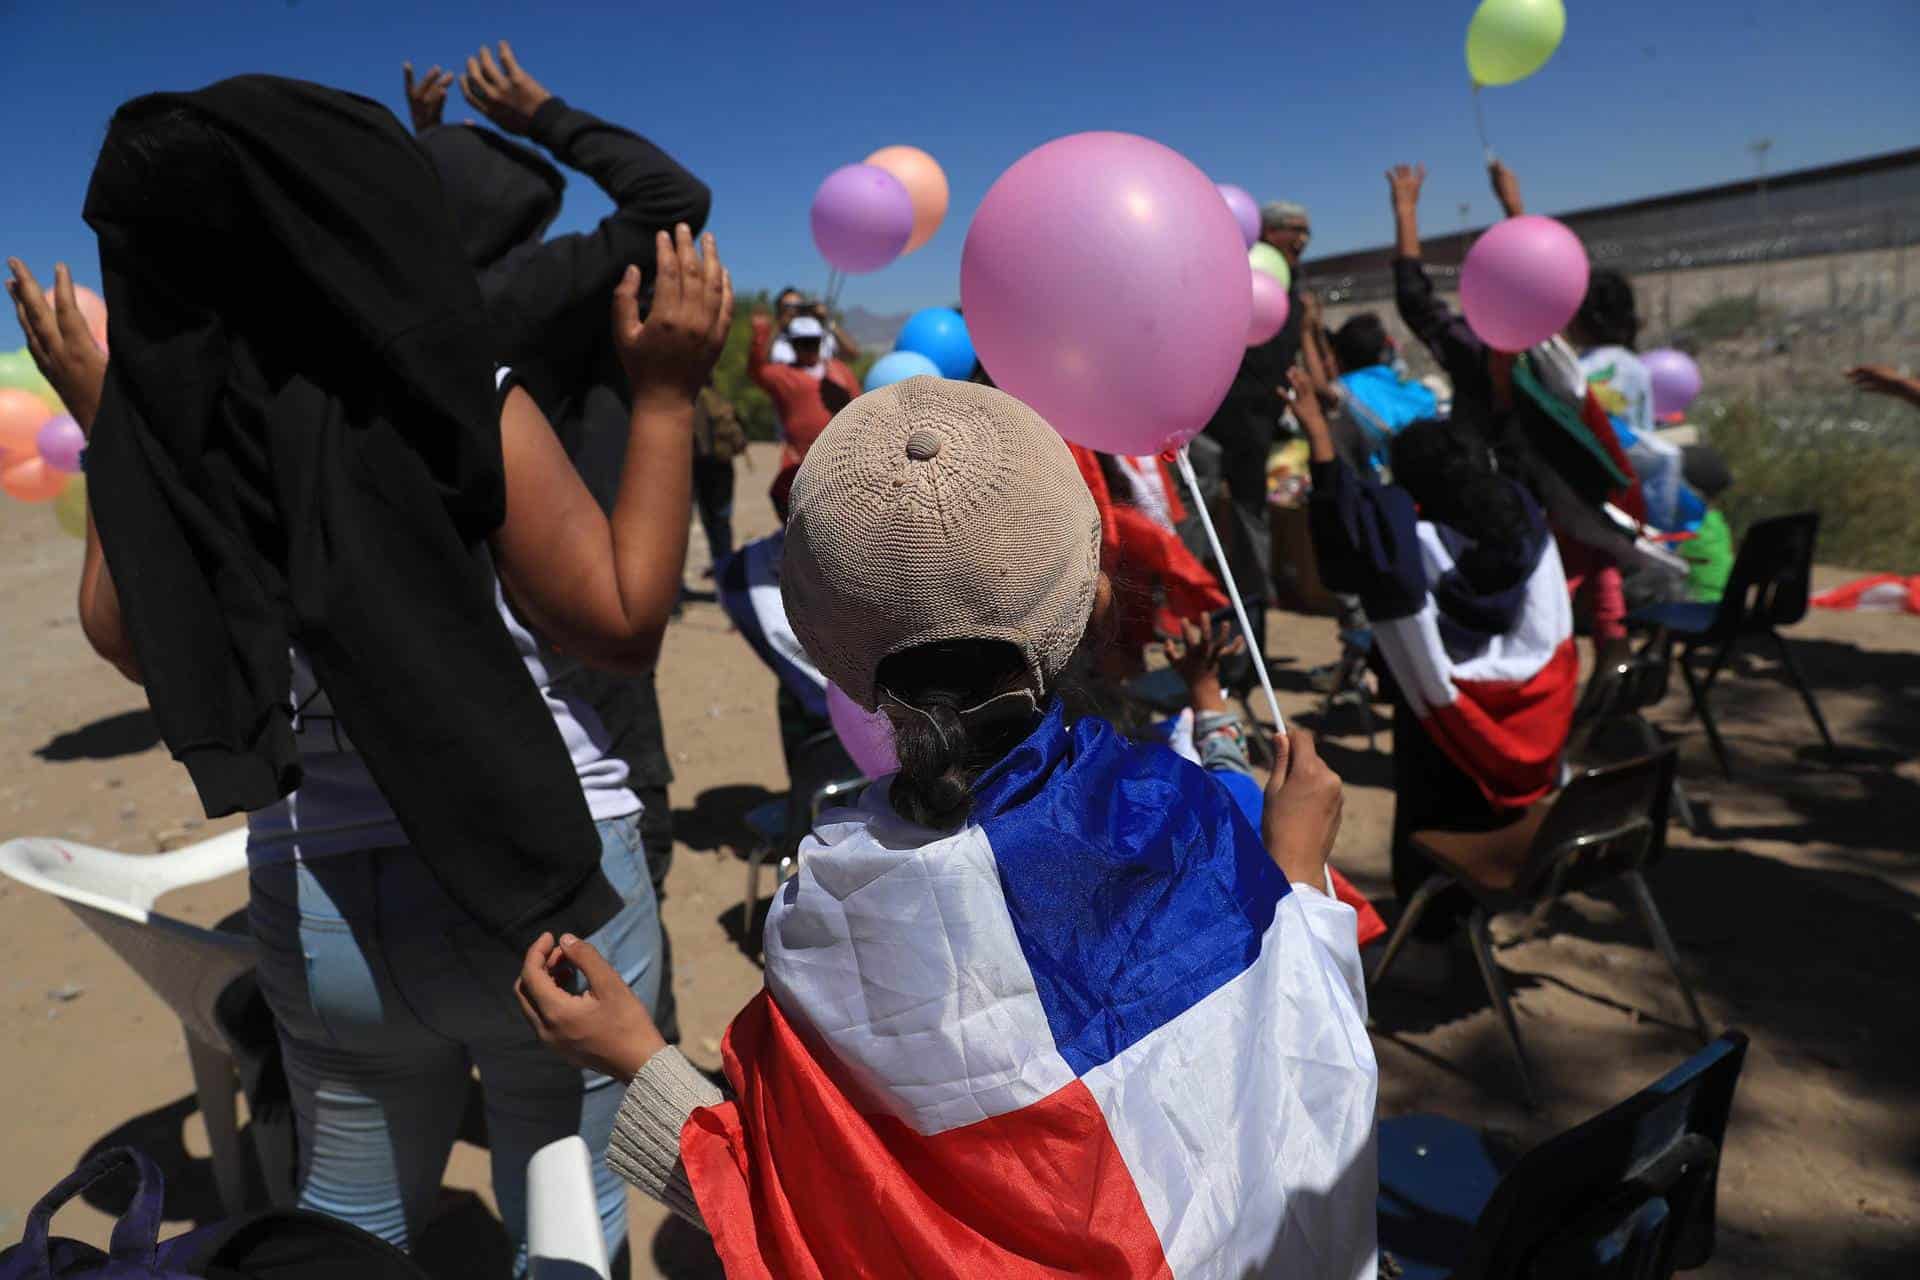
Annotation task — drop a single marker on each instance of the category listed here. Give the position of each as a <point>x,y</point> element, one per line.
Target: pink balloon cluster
<point>1105,283</point>
<point>39,447</point>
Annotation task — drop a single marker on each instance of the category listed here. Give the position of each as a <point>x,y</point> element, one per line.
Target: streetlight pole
<point>1760,147</point>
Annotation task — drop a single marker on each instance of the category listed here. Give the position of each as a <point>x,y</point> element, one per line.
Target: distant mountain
<point>872,331</point>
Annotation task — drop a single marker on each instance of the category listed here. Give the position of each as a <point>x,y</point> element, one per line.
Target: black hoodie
<point>549,302</point>
<point>298,441</point>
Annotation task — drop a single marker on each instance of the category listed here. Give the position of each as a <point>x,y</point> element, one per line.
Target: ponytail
<point>956,708</point>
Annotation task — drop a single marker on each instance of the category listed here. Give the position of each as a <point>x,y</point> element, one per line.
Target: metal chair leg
<point>1657,926</point>
<point>1502,1002</point>
<point>755,858</point>
<point>1684,806</point>
<point>1698,689</point>
<point>1408,918</point>
<point>1800,683</point>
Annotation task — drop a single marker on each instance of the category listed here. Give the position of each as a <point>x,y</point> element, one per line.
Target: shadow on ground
<point>126,734</point>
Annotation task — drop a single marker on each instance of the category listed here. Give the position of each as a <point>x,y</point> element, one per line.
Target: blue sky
<point>1310,101</point>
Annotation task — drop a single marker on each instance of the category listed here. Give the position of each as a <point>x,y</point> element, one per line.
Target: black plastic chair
<point>1768,588</point>
<point>1612,705</point>
<point>1607,823</point>
<point>1629,1195</point>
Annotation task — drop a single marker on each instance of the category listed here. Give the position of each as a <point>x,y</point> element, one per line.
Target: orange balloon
<point>32,480</point>
<point>21,416</point>
<point>926,185</point>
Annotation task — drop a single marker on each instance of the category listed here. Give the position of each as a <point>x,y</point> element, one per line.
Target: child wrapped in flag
<point>1042,1003</point>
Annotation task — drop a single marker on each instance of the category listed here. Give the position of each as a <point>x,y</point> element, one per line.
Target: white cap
<point>804,327</point>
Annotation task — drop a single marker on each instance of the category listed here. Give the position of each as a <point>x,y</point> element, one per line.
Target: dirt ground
<point>1797,910</point>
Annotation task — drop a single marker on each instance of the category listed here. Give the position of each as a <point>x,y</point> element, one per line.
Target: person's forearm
<point>648,186</point>
<point>1406,230</point>
<point>101,621</point>
<point>649,519</point>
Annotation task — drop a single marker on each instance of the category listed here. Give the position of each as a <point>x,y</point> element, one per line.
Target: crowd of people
<point>391,496</point>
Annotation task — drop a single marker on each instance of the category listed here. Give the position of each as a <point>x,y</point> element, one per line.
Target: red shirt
<point>795,393</point>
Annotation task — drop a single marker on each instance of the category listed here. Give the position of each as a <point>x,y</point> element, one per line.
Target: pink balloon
<point>1245,211</point>
<point>1270,308</point>
<point>1676,380</point>
<point>867,735</point>
<point>1522,281</point>
<point>862,218</point>
<point>60,441</point>
<point>1105,283</point>
<point>93,309</point>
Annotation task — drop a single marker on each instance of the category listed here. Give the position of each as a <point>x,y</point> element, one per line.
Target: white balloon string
<point>1480,122</point>
<point>1233,591</point>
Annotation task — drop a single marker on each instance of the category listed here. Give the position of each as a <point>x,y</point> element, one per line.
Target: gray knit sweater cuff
<point>646,1134</point>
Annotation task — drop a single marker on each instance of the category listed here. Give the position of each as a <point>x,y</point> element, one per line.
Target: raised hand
<point>604,1028</point>
<point>501,91</point>
<point>1884,380</point>
<point>1196,654</point>
<point>1304,804</point>
<point>672,352</point>
<point>426,99</point>
<point>58,339</point>
<point>1404,182</point>
<point>1506,188</point>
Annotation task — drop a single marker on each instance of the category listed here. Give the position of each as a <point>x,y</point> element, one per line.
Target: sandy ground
<point>1798,912</point>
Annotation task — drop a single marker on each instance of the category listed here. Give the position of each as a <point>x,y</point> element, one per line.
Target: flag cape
<point>1091,1033</point>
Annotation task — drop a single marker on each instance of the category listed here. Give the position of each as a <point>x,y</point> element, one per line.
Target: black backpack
<point>274,1244</point>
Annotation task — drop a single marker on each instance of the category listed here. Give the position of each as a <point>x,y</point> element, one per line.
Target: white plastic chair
<point>186,966</point>
<point>563,1217</point>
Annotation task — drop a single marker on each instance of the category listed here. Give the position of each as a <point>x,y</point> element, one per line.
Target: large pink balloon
<point>1105,284</point>
<point>1270,307</point>
<point>862,218</point>
<point>1522,281</point>
<point>867,735</point>
<point>1675,377</point>
<point>926,185</point>
<point>1245,211</point>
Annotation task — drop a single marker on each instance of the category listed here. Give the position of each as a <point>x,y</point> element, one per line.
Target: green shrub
<point>1858,465</point>
<point>1729,318</point>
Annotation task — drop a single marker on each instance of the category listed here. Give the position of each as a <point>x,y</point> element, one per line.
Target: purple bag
<point>275,1244</point>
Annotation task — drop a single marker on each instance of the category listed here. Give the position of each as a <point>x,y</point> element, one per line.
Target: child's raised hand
<point>605,1028</point>
<point>1196,653</point>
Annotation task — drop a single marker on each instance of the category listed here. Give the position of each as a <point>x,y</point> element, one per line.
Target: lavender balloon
<point>59,442</point>
<point>1676,380</point>
<point>862,218</point>
<point>1105,284</point>
<point>1522,281</point>
<point>1245,211</point>
<point>867,735</point>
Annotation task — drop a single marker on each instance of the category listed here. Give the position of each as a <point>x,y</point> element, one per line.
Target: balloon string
<point>1480,121</point>
<point>1233,590</point>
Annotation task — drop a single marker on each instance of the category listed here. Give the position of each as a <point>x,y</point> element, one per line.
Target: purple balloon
<point>1522,281</point>
<point>60,441</point>
<point>1270,308</point>
<point>1245,211</point>
<point>867,735</point>
<point>862,218</point>
<point>1676,380</point>
<point>1105,284</point>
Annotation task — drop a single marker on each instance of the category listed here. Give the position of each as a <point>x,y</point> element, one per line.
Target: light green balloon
<point>70,507</point>
<point>1264,257</point>
<point>1509,40</point>
<point>18,371</point>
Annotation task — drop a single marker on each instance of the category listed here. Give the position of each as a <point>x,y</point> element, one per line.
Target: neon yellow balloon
<point>1264,257</point>
<point>1509,40</point>
<point>70,507</point>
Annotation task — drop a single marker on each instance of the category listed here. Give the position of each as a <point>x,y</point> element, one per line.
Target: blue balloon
<point>940,334</point>
<point>898,366</point>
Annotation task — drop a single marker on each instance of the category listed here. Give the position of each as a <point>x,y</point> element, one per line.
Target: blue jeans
<point>388,995</point>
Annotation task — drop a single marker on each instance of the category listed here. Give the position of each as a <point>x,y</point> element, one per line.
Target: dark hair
<point>1452,473</point>
<point>941,753</point>
<point>1607,314</point>
<point>1360,343</point>
<point>784,292</point>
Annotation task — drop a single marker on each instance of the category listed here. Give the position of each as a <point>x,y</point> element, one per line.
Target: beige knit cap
<point>937,510</point>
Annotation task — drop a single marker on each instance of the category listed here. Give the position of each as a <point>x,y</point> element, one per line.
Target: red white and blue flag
<point>1499,704</point>
<point>1093,1032</point>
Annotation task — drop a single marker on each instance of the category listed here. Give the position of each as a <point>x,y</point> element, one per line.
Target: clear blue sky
<point>1309,101</point>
